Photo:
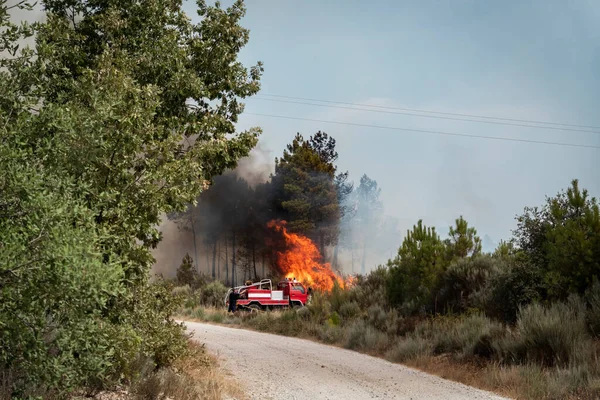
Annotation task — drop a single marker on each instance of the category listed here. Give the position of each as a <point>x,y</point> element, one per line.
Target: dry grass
<point>196,376</point>
<point>527,381</point>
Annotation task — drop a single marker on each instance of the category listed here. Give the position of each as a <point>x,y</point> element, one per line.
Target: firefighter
<point>233,297</point>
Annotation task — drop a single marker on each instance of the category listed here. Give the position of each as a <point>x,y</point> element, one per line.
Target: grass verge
<point>454,349</point>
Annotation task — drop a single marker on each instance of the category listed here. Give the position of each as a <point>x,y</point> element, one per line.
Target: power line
<point>595,129</point>
<point>430,116</point>
<point>426,131</point>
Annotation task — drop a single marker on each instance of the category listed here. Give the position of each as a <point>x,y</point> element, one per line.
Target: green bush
<point>349,310</point>
<point>371,289</point>
<point>334,319</point>
<point>330,333</point>
<point>304,313</point>
<point>262,322</point>
<point>199,313</point>
<point>320,307</point>
<point>337,297</point>
<point>213,294</point>
<point>360,336</point>
<point>55,288</point>
<point>510,290</point>
<point>554,335</point>
<point>593,313</point>
<point>469,336</point>
<point>217,316</point>
<point>464,278</point>
<point>377,317</point>
<point>409,348</point>
<point>288,323</point>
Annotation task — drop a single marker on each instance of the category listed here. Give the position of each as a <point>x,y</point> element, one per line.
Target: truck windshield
<point>299,288</point>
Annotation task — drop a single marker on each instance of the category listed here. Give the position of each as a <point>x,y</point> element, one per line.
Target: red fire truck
<point>261,296</point>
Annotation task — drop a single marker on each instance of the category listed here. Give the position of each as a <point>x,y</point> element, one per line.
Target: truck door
<point>299,293</point>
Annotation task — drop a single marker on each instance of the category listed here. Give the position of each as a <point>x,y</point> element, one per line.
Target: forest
<point>346,221</point>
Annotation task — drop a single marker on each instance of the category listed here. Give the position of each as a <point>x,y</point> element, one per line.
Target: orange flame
<point>301,260</point>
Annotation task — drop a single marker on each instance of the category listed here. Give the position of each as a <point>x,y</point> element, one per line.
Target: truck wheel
<point>255,308</point>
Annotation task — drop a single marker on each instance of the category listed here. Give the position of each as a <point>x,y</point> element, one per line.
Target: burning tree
<point>305,192</point>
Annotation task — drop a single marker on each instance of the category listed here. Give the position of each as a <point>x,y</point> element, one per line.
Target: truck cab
<point>294,291</point>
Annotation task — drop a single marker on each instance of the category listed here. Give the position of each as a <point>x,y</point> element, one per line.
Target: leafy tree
<point>53,284</point>
<point>563,240</point>
<point>127,109</point>
<point>463,241</point>
<point>415,272</point>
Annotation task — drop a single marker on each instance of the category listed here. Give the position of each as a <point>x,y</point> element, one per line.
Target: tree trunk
<point>364,258</point>
<point>233,269</point>
<point>227,263</point>
<point>322,245</point>
<point>214,266</point>
<point>206,244</point>
<point>219,262</point>
<point>254,261</point>
<point>335,257</point>
<point>195,246</point>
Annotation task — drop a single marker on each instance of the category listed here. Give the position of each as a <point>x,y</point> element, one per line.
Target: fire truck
<point>261,296</point>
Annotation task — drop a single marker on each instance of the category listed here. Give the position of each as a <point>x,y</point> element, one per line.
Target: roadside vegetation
<point>109,119</point>
<point>522,321</point>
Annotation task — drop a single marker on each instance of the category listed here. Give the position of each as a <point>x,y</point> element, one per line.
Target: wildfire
<point>301,260</point>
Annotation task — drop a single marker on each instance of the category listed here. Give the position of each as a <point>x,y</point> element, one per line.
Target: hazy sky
<point>537,60</point>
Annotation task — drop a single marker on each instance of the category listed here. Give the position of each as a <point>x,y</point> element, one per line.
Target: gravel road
<point>277,367</point>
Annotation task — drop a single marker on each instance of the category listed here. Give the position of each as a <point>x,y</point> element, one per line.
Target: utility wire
<point>431,116</point>
<point>593,129</point>
<point>427,131</point>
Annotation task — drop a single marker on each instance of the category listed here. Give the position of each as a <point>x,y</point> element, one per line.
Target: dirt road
<point>276,367</point>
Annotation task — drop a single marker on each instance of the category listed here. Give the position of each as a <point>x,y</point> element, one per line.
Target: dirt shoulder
<point>273,367</point>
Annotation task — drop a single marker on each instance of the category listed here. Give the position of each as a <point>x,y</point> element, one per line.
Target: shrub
<point>217,316</point>
<point>288,323</point>
<point>213,294</point>
<point>554,335</point>
<point>330,334</point>
<point>371,289</point>
<point>337,297</point>
<point>319,307</point>
<point>304,313</point>
<point>464,278</point>
<point>199,313</point>
<point>360,336</point>
<point>334,319</point>
<point>377,317</point>
<point>355,335</point>
<point>349,310</point>
<point>262,321</point>
<point>408,348</point>
<point>184,290</point>
<point>509,291</point>
<point>469,336</point>
<point>593,313</point>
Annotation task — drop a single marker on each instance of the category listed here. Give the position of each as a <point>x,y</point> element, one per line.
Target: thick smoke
<point>367,237</point>
<point>178,235</point>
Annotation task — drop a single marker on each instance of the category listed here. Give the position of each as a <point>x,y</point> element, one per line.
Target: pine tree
<point>305,191</point>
